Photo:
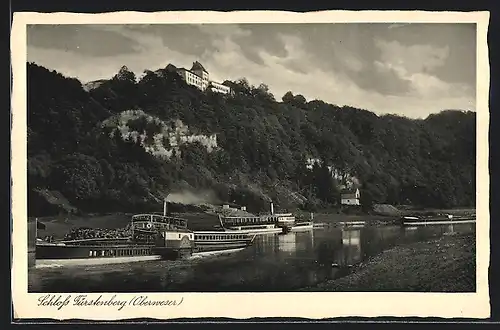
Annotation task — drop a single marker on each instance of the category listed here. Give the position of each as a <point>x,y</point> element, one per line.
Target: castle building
<point>200,78</point>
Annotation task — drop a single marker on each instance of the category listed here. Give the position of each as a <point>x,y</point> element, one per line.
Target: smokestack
<point>164,207</point>
<point>272,208</point>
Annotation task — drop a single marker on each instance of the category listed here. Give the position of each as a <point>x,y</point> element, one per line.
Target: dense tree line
<point>264,144</point>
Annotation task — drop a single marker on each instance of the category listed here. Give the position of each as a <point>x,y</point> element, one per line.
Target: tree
<point>79,177</point>
<point>288,97</point>
<point>366,201</point>
<point>261,143</point>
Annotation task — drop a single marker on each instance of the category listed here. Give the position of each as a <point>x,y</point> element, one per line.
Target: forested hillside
<point>126,143</point>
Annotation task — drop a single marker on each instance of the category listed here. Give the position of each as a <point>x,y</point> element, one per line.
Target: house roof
<point>349,191</point>
<point>190,71</point>
<point>197,66</point>
<point>348,196</point>
<point>171,67</point>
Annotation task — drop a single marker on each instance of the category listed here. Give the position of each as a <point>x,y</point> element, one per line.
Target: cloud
<point>370,66</point>
<point>148,53</point>
<point>414,66</point>
<point>84,39</point>
<point>414,58</point>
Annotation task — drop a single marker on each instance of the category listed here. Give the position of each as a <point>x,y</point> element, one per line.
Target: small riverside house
<point>350,197</point>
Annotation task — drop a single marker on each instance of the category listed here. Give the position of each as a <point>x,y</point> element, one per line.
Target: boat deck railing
<point>96,240</point>
<point>181,222</point>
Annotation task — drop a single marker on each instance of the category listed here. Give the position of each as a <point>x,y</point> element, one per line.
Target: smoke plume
<point>193,198</point>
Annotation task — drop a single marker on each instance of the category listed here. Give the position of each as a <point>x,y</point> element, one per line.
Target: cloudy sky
<point>407,69</point>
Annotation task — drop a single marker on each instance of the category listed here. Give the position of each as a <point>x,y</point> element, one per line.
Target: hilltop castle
<point>200,78</point>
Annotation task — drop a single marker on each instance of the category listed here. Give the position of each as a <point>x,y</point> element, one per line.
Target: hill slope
<point>124,145</point>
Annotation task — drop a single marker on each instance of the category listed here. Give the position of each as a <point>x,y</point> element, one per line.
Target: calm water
<point>273,263</point>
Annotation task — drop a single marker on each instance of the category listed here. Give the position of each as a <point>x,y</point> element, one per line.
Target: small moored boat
<point>302,226</point>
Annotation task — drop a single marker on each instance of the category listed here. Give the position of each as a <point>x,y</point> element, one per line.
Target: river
<point>274,263</point>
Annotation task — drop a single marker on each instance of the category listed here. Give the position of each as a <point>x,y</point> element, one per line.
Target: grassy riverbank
<point>447,264</point>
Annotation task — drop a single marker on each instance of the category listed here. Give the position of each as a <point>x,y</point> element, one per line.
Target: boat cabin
<point>156,221</point>
<point>222,236</point>
<point>242,221</point>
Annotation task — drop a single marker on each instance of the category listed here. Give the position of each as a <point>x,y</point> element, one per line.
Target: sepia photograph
<point>251,157</point>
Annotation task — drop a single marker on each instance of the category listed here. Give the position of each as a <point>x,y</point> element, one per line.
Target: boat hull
<point>56,251</point>
<point>302,226</point>
<point>429,221</point>
<point>218,246</point>
<point>263,231</point>
<point>93,261</point>
<point>437,222</point>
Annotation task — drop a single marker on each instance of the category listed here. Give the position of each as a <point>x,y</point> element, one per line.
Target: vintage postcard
<point>250,164</point>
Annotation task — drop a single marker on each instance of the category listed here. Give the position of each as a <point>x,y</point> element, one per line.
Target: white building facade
<point>350,197</point>
<point>200,78</point>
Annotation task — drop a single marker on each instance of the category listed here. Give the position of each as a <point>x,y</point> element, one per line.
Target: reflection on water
<point>287,243</point>
<point>351,247</point>
<point>273,263</point>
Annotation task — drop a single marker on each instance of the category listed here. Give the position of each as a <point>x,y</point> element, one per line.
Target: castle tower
<point>200,71</point>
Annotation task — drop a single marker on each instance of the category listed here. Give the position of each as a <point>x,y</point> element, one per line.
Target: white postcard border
<point>315,305</point>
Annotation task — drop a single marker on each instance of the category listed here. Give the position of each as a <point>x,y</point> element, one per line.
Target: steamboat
<point>147,237</point>
<point>271,223</point>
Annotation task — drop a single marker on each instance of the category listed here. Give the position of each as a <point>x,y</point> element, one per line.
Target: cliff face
<point>127,143</point>
<point>158,138</point>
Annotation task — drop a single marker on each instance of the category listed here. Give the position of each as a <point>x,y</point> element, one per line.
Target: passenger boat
<point>285,221</point>
<point>210,241</point>
<point>263,224</point>
<point>436,220</point>
<point>148,237</point>
<point>249,224</point>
